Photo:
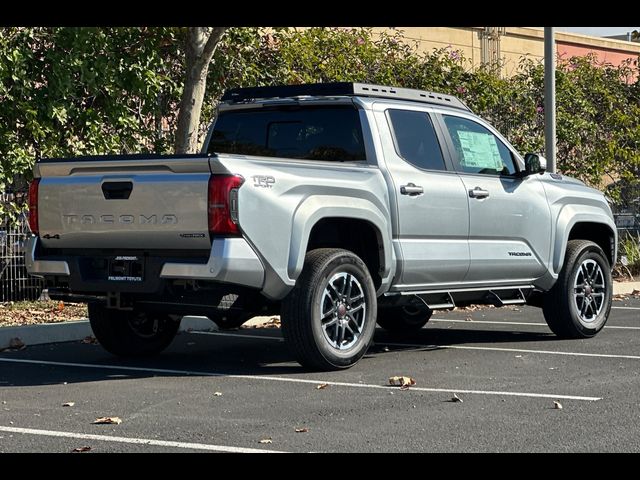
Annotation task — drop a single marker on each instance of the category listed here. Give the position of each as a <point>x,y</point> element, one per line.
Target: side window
<point>415,139</point>
<point>479,150</point>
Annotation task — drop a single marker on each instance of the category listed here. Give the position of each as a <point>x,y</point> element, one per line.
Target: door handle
<point>117,190</point>
<point>478,193</point>
<point>411,189</point>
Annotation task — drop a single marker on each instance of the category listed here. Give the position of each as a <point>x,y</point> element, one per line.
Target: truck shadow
<point>221,355</point>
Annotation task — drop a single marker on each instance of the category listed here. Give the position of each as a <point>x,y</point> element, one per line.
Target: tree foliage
<point>83,91</point>
<point>71,91</point>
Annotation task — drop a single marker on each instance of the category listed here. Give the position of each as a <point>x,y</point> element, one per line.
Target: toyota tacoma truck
<point>338,206</point>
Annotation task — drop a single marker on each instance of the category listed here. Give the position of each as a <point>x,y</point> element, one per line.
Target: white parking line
<point>537,324</point>
<point>516,350</point>
<point>459,347</point>
<point>295,380</point>
<point>626,308</point>
<point>240,335</point>
<point>138,441</point>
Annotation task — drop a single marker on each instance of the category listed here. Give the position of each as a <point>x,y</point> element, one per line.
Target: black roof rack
<point>341,89</point>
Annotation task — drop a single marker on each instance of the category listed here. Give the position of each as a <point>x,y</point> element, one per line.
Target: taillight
<point>33,206</point>
<point>223,204</point>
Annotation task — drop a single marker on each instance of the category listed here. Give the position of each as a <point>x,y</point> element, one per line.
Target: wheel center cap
<point>342,310</point>
<point>588,290</point>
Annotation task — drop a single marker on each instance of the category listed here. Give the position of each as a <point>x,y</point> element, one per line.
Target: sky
<point>598,31</point>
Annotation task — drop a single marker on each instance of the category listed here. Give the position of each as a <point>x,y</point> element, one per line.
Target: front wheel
<point>329,318</point>
<point>579,303</point>
<point>131,333</point>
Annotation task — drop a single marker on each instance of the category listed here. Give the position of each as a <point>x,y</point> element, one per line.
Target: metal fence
<point>15,282</point>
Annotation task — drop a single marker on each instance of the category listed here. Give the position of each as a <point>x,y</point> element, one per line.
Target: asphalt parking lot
<point>504,364</point>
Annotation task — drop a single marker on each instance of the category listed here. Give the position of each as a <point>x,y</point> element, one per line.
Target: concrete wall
<point>518,42</point>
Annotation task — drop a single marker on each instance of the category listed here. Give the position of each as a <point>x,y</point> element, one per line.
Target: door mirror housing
<point>534,163</point>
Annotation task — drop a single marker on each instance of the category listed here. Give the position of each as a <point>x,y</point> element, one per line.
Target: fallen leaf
<point>557,405</point>
<point>455,399</point>
<point>302,430</point>
<point>68,404</point>
<point>108,421</point>
<point>468,319</point>
<point>322,386</point>
<point>16,344</point>
<point>404,382</point>
<point>90,340</point>
<point>60,306</point>
<point>81,449</point>
<point>217,394</point>
<point>266,440</point>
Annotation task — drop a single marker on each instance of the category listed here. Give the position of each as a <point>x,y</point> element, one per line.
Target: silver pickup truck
<point>335,205</point>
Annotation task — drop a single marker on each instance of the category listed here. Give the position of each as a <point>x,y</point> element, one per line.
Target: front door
<point>509,217</point>
<point>432,218</point>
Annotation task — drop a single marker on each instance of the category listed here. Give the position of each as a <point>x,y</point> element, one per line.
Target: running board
<point>437,301</point>
<point>445,299</point>
<point>498,301</point>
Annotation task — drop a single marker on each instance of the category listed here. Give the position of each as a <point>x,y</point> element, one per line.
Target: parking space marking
<point>138,441</point>
<point>626,308</point>
<point>297,380</point>
<point>492,322</point>
<point>465,347</point>
<point>515,350</point>
<point>240,335</point>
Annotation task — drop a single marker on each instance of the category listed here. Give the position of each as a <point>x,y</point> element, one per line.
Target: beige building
<point>510,44</point>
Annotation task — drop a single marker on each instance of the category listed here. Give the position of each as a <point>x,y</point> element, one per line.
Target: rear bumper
<point>43,267</point>
<point>232,260</point>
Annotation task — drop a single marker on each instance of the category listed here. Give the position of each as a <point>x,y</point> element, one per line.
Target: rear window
<point>311,133</point>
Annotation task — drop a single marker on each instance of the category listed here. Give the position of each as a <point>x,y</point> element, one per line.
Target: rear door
<point>509,217</point>
<point>432,217</point>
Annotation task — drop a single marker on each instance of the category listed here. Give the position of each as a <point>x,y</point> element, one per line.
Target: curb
<point>625,288</point>
<point>79,329</point>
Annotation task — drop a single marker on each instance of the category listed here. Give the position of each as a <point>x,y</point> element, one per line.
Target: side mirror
<point>534,163</point>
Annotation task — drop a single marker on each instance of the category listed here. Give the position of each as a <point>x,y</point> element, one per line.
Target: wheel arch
<point>594,226</point>
<point>353,224</point>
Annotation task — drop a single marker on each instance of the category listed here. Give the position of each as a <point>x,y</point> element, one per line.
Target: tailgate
<point>124,202</point>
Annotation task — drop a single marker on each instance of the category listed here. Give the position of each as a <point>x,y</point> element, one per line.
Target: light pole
<point>550,98</point>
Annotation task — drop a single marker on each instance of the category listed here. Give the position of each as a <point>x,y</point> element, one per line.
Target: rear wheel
<point>579,303</point>
<point>405,319</point>
<point>131,333</point>
<point>328,319</point>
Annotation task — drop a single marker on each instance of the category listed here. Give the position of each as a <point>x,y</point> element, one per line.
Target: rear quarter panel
<point>281,200</point>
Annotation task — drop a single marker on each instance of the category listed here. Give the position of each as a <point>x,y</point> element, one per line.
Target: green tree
<point>84,91</point>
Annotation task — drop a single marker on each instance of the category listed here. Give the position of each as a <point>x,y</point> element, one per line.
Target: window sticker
<point>479,150</point>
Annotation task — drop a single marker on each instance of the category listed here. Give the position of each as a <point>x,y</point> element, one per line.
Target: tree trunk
<point>201,43</point>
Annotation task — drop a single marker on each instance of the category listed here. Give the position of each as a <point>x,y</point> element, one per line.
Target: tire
<point>579,303</point>
<point>131,333</point>
<point>405,319</point>
<point>328,277</point>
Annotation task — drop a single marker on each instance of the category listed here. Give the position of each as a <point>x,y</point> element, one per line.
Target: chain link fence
<point>15,283</point>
